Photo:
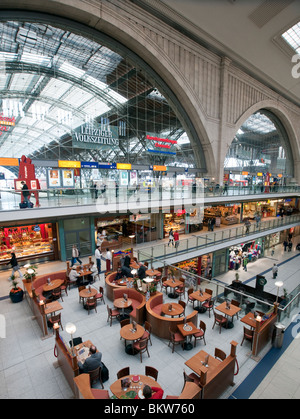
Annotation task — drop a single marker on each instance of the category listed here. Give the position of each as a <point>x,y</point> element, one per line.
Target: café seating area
<point>167,335</point>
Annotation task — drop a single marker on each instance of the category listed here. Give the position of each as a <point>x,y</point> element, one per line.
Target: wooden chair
<point>82,287</point>
<point>200,335</point>
<point>163,286</point>
<point>209,305</point>
<point>237,304</point>
<point>183,304</point>
<point>219,354</point>
<point>181,289</point>
<point>248,335</point>
<point>192,377</point>
<point>151,372</point>
<point>95,375</point>
<point>220,320</point>
<point>123,372</point>
<point>112,314</point>
<point>191,299</point>
<point>147,333</point>
<point>56,294</point>
<point>208,291</point>
<point>122,324</point>
<point>176,338</point>
<point>64,286</point>
<point>55,319</point>
<point>91,304</point>
<point>100,295</point>
<point>141,345</point>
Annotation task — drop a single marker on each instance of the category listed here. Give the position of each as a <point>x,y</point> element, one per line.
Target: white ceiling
<point>243,30</point>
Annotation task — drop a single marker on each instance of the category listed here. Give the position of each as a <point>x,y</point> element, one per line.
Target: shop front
<point>175,221</point>
<point>201,266</point>
<point>34,243</point>
<point>252,250</point>
<point>227,214</point>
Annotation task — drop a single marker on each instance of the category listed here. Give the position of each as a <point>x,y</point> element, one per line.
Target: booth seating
<point>138,302</point>
<point>111,286</point>
<point>41,280</point>
<point>83,389</point>
<point>190,391</point>
<point>161,324</point>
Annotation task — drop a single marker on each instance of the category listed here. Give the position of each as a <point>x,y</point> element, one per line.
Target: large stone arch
<point>150,48</point>
<point>287,119</point>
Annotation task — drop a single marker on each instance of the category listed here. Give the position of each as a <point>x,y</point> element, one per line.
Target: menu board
<point>53,178</point>
<point>68,178</point>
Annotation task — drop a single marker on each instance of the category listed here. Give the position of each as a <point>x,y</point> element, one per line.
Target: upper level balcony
<point>61,202</point>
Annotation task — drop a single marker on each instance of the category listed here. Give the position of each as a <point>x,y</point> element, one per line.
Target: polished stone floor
<point>27,362</point>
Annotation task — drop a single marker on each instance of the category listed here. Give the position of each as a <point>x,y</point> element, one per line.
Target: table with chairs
<point>187,330</point>
<point>172,309</point>
<point>132,385</point>
<point>201,297</point>
<point>121,304</point>
<point>229,309</point>
<point>133,333</point>
<point>172,283</point>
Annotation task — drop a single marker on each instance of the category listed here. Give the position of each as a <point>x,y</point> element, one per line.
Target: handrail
<point>177,195</point>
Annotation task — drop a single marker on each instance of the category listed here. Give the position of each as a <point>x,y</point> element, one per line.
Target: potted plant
<point>30,273</point>
<point>16,293</point>
<point>152,288</point>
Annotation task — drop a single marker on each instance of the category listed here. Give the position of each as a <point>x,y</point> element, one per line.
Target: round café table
<point>176,309</point>
<point>122,304</point>
<point>137,383</point>
<point>128,333</point>
<point>123,282</point>
<point>52,285</point>
<point>86,293</point>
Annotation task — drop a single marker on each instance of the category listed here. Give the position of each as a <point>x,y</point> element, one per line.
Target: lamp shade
<point>30,271</point>
<point>70,328</point>
<point>278,283</point>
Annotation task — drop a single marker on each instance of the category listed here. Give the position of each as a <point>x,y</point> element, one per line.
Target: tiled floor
<point>27,362</point>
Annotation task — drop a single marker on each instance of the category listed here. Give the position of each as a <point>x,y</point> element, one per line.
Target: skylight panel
<point>72,70</point>
<point>292,37</point>
<point>35,59</point>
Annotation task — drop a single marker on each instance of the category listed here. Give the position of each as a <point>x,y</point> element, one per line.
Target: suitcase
<point>23,205</point>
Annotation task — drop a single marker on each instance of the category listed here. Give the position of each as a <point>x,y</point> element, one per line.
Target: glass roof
<point>292,37</point>
<point>53,81</point>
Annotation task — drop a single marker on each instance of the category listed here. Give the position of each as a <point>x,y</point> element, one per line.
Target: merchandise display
<point>25,241</point>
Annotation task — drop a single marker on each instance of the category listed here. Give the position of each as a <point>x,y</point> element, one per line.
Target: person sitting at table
<point>142,271</point>
<point>127,261</point>
<point>126,272</point>
<point>74,276</point>
<point>92,362</point>
<point>152,392</point>
<point>94,272</point>
<point>119,274</point>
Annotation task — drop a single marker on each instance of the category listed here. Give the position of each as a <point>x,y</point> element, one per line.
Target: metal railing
<point>161,251</point>
<point>10,198</point>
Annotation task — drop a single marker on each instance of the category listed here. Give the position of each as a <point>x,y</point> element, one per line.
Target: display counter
<point>27,242</point>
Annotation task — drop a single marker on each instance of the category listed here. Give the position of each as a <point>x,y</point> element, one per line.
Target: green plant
<point>30,272</point>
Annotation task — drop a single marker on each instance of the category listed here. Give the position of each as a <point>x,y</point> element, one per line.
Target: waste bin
<point>278,334</point>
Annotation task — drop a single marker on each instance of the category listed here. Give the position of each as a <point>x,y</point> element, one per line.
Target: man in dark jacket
<point>92,362</point>
<point>25,193</point>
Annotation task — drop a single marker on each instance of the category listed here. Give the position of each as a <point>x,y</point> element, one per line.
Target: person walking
<point>275,271</point>
<point>273,251</point>
<point>247,225</point>
<point>245,263</point>
<point>75,255</point>
<point>15,266</point>
<point>108,260</point>
<point>25,193</point>
<point>171,237</point>
<point>212,223</point>
<point>98,258</point>
<point>285,245</point>
<point>176,239</point>
<point>290,245</point>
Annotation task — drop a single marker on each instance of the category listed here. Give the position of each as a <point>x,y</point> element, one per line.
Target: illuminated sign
<point>245,173</point>
<point>69,163</point>
<point>158,168</point>
<point>88,136</point>
<point>4,120</point>
<point>259,174</point>
<point>123,166</point>
<point>161,145</point>
<point>6,161</point>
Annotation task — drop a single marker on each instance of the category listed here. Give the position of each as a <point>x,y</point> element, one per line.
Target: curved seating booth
<point>111,286</point>
<point>138,302</point>
<point>34,294</point>
<point>161,324</point>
